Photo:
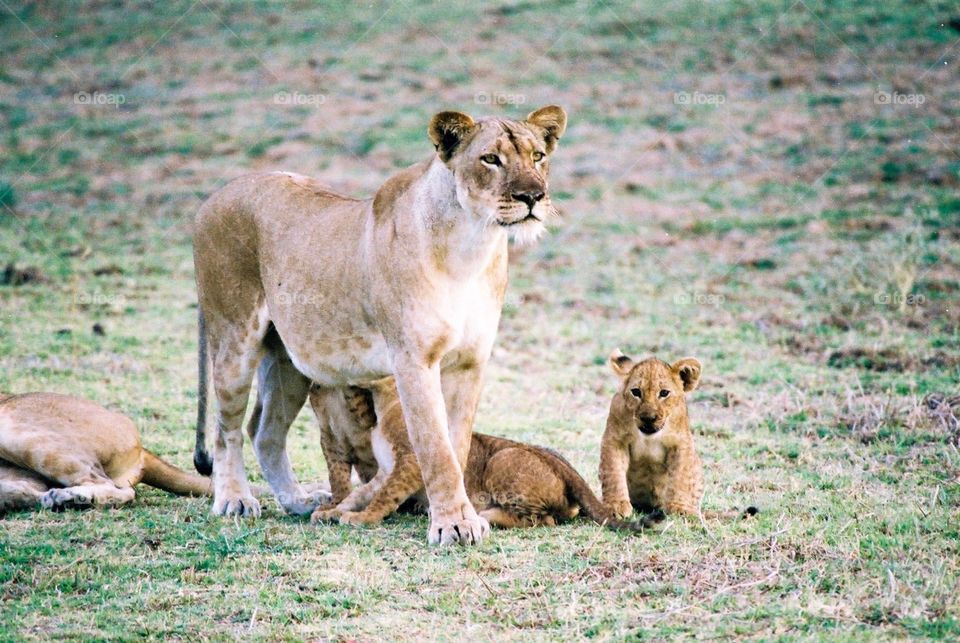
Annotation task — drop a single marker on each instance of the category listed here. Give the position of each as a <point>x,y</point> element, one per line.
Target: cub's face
<point>652,393</point>
<point>501,166</point>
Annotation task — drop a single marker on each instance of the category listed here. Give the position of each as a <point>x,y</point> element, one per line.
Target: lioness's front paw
<point>60,499</point>
<point>236,504</point>
<point>463,526</point>
<point>622,508</point>
<point>322,514</point>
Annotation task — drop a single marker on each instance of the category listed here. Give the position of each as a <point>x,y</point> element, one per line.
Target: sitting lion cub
<point>59,451</point>
<point>511,484</point>
<point>647,458</point>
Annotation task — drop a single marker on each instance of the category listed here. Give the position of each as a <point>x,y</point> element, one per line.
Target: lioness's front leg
<point>461,392</point>
<point>452,516</point>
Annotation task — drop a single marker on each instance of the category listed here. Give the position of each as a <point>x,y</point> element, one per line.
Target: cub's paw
<point>325,515</point>
<point>60,499</point>
<point>622,508</point>
<point>462,526</point>
<point>358,518</point>
<point>236,504</point>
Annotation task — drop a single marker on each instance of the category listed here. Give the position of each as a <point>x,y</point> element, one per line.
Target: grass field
<point>769,186</point>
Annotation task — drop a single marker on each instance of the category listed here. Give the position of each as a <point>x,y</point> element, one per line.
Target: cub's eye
<point>664,393</point>
<point>538,156</point>
<point>636,392</point>
<point>490,159</point>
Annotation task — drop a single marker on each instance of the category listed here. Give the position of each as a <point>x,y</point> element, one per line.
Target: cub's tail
<point>201,459</point>
<point>163,475</point>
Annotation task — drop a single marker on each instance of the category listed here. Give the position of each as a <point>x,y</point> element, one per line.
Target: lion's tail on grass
<point>163,475</point>
<point>591,506</point>
<point>201,459</point>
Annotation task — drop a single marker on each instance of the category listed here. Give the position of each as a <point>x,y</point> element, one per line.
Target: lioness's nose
<point>529,197</point>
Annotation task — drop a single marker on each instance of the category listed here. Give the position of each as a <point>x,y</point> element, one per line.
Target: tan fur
<point>315,286</point>
<point>511,484</point>
<point>647,457</point>
<point>58,451</point>
<point>346,420</point>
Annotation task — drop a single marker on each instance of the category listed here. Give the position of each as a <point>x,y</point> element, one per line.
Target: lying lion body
<point>59,451</point>
<point>511,484</point>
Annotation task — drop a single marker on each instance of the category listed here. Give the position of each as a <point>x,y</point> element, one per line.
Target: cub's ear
<point>620,363</point>
<point>688,369</point>
<point>552,120</point>
<point>447,130</point>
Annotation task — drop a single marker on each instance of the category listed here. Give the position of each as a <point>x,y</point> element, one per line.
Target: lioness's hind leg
<point>236,352</point>
<point>282,391</point>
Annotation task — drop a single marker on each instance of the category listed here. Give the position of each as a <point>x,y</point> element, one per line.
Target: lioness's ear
<point>689,371</point>
<point>620,363</point>
<point>553,121</point>
<point>446,131</point>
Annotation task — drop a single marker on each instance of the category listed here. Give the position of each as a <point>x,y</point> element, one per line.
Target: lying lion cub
<point>60,451</point>
<point>511,484</point>
<point>647,458</point>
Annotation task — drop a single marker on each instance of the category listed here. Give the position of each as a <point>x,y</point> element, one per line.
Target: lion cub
<point>647,458</point>
<point>511,484</point>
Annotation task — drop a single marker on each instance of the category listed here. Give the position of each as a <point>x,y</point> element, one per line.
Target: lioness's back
<point>274,195</point>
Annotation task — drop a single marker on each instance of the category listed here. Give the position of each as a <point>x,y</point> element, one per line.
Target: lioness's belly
<point>326,336</point>
<point>336,361</point>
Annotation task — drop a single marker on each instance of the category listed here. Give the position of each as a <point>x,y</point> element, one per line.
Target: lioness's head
<point>500,166</point>
<point>653,393</point>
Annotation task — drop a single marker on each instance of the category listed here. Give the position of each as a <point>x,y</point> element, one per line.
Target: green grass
<point>799,238</point>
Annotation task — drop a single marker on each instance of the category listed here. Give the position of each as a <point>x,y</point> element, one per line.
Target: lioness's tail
<point>201,459</point>
<point>591,506</point>
<point>163,475</point>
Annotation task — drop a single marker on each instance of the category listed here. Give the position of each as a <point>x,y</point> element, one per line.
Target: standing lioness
<point>312,285</point>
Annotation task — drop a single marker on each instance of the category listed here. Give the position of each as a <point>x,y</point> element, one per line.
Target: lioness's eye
<point>538,156</point>
<point>636,392</point>
<point>664,392</point>
<point>491,159</point>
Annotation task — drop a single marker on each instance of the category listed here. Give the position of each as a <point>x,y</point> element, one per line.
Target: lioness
<point>509,483</point>
<point>59,451</point>
<point>315,286</point>
<point>647,458</point>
